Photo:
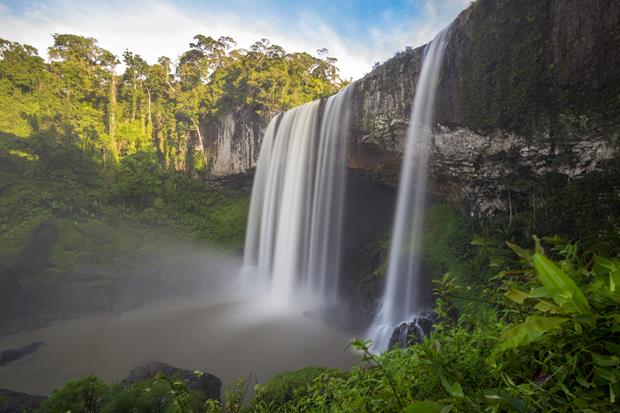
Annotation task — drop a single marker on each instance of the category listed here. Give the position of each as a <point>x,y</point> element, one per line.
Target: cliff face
<point>527,89</point>
<point>233,141</point>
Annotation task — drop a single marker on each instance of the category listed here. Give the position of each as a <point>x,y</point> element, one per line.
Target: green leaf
<point>608,375</point>
<point>539,248</point>
<point>547,307</point>
<point>525,254</point>
<point>425,407</point>
<point>605,361</point>
<point>518,405</point>
<point>608,266</point>
<point>529,331</point>
<point>515,295</point>
<point>481,242</point>
<point>496,262</point>
<point>560,286</point>
<point>613,347</point>
<point>454,389</point>
<point>493,397</point>
<point>582,381</point>
<point>539,292</point>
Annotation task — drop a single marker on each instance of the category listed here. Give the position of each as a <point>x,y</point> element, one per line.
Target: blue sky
<point>358,33</point>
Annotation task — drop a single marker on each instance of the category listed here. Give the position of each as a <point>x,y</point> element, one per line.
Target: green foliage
<point>583,208</point>
<point>138,181</point>
<point>235,395</point>
<point>446,245</point>
<point>577,339</point>
<point>161,394</point>
<point>459,253</point>
<point>43,177</point>
<point>453,363</point>
<point>46,177</point>
<point>82,395</point>
<point>559,286</point>
<point>425,407</point>
<point>529,331</point>
<point>79,143</point>
<point>149,108</point>
<point>285,387</point>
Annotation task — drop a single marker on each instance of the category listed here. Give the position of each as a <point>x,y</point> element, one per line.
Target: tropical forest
<point>396,206</point>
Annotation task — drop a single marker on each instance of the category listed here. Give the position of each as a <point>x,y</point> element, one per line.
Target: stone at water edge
<point>407,334</point>
<point>14,354</point>
<point>209,385</point>
<point>14,401</point>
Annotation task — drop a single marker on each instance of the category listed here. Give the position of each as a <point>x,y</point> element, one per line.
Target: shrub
<point>285,387</point>
<point>82,395</point>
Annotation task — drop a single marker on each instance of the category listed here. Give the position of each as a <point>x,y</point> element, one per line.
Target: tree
<point>149,107</point>
<point>21,65</point>
<point>85,72</point>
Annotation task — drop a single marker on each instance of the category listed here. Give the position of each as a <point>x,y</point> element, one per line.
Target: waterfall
<point>400,297</point>
<point>292,246</point>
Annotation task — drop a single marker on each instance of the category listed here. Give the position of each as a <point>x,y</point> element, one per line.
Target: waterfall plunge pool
<point>225,336</point>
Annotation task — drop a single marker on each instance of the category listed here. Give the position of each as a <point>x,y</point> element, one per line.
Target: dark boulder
<point>209,385</point>
<point>13,354</point>
<point>14,402</point>
<point>411,333</point>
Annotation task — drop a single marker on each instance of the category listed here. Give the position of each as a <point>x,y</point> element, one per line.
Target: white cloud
<point>156,28</point>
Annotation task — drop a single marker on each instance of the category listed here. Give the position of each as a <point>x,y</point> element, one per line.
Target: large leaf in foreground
<point>560,286</point>
<point>528,331</point>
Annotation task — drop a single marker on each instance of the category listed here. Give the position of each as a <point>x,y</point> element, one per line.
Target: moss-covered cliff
<point>516,65</point>
<point>527,89</point>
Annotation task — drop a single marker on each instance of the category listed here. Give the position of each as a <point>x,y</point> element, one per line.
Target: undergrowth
<point>46,179</point>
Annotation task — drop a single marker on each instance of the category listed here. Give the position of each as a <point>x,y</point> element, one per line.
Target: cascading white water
<point>294,227</point>
<point>401,294</point>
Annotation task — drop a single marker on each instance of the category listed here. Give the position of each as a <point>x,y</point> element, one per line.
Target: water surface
<point>227,337</point>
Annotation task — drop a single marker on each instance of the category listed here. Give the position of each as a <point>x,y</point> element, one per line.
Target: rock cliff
<point>527,89</point>
<point>233,141</point>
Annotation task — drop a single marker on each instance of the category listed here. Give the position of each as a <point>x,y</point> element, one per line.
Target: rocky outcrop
<point>14,354</point>
<point>526,89</point>
<point>381,108</point>
<point>206,383</point>
<point>411,333</point>
<point>482,170</point>
<point>13,401</point>
<point>232,141</point>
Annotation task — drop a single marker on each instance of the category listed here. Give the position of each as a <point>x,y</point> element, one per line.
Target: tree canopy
<point>151,107</point>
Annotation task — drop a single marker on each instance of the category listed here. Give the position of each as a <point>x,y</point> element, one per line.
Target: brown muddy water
<point>229,338</point>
